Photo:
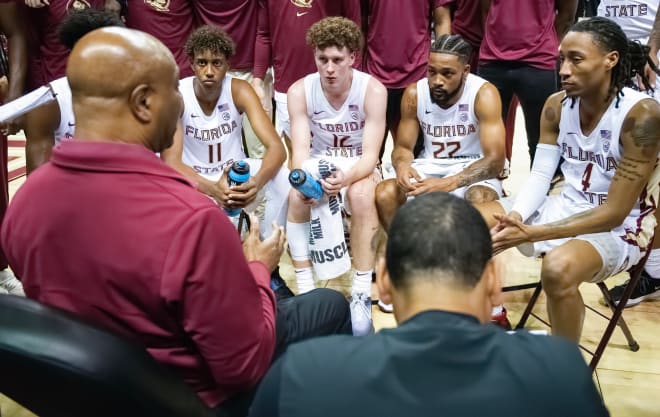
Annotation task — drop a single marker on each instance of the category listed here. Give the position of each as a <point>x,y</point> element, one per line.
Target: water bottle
<point>239,173</point>
<point>306,184</point>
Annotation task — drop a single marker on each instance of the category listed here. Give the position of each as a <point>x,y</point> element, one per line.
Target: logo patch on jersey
<point>223,107</point>
<point>159,5</point>
<point>606,137</point>
<point>302,3</point>
<point>463,117</point>
<point>463,107</point>
<point>226,116</point>
<point>77,5</point>
<point>353,109</point>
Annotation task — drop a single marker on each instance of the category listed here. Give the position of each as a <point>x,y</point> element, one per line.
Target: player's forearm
<point>202,184</point>
<point>596,220</point>
<point>270,165</point>
<point>402,157</point>
<point>480,170</point>
<point>362,168</point>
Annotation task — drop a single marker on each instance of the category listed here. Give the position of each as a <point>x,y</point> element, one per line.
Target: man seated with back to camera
<point>109,232</point>
<point>442,359</point>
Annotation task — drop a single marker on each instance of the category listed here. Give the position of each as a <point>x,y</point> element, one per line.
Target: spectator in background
<point>398,40</point>
<point>169,21</point>
<point>519,53</point>
<point>239,19</point>
<point>12,26</point>
<point>48,55</point>
<point>283,25</point>
<point>462,17</point>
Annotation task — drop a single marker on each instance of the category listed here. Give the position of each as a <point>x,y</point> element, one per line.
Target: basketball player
<point>459,115</point>
<point>639,21</point>
<point>609,137</point>
<point>53,122</point>
<point>338,98</point>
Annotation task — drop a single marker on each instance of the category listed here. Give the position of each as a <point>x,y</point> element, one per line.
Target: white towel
<point>327,246</point>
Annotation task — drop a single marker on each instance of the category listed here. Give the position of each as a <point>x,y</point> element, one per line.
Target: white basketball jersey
<point>634,16</point>
<point>336,133</point>
<point>591,161</point>
<point>210,142</point>
<point>67,124</point>
<point>451,132</point>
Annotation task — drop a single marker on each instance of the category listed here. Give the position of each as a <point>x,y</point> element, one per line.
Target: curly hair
<point>80,22</point>
<point>210,38</point>
<point>335,31</point>
<point>633,56</point>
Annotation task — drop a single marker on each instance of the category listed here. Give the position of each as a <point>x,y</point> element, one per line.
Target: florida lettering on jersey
<point>210,142</point>
<point>336,133</point>
<point>451,132</point>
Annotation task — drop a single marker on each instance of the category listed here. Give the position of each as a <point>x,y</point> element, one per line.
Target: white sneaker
<point>10,284</point>
<point>385,308</point>
<point>361,314</point>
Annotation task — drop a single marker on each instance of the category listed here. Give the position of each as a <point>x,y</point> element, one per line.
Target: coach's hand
<point>270,250</point>
<point>404,177</point>
<point>244,194</point>
<point>509,231</point>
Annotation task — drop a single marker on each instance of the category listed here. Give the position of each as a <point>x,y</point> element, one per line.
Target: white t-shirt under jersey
<point>67,124</point>
<point>336,133</point>
<point>591,161</point>
<point>451,132</point>
<point>210,142</point>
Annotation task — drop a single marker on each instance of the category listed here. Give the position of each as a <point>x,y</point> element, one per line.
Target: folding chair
<point>616,319</point>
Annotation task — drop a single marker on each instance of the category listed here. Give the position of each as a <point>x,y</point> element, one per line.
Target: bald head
<point>124,87</point>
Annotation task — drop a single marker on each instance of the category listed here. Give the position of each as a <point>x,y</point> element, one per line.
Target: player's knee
<point>480,194</point>
<point>557,273</point>
<point>387,193</point>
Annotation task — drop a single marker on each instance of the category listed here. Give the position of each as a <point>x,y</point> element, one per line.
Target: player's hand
<point>37,3</point>
<point>220,190</point>
<point>244,194</point>
<point>270,250</point>
<point>509,231</point>
<point>428,185</point>
<point>404,177</point>
<point>306,200</point>
<point>333,184</point>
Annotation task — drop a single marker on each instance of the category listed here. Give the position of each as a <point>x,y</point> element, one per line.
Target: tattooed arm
<point>640,140</point>
<point>488,109</point>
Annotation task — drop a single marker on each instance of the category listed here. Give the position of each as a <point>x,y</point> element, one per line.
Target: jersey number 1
<point>215,151</point>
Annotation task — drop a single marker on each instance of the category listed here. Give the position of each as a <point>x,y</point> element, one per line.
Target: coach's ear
<point>383,282</point>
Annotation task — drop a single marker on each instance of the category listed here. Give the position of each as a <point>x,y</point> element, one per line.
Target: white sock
<point>362,282</point>
<point>305,280</point>
<point>497,310</point>
<point>652,266</point>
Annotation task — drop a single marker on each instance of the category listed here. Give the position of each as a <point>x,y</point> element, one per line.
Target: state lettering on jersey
<point>211,171</point>
<point>206,135</point>
<point>579,154</point>
<point>626,10</point>
<point>448,131</point>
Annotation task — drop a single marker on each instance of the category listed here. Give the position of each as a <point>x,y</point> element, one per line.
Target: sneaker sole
<point>635,301</point>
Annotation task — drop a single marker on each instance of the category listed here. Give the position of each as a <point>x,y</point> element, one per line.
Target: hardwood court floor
<point>629,381</point>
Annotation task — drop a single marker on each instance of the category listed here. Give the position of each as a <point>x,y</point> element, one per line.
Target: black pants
<point>317,313</point>
<point>531,85</point>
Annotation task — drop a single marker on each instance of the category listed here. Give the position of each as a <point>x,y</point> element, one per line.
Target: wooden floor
<point>629,381</point>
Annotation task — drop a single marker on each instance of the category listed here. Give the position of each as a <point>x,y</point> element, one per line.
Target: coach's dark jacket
<point>435,364</point>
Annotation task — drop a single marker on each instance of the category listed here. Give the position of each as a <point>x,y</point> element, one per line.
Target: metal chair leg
<point>530,306</point>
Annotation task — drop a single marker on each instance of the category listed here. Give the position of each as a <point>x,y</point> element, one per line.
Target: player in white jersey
<point>460,117</point>
<point>609,137</point>
<point>48,125</point>
<point>208,138</point>
<point>338,114</point>
<point>639,21</point>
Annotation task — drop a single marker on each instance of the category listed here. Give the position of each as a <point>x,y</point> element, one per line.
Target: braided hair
<point>633,56</point>
<point>454,45</point>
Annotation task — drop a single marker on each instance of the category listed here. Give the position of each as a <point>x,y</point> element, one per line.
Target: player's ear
<point>611,59</point>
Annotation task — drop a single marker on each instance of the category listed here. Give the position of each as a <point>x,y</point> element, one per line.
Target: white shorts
<point>439,168</point>
<point>616,254</point>
<point>282,124</point>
